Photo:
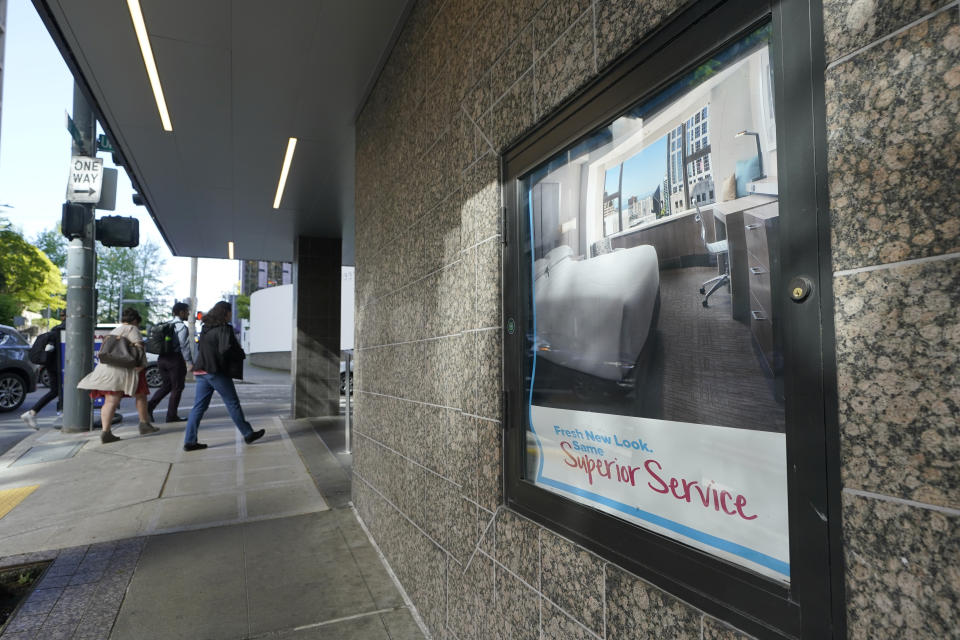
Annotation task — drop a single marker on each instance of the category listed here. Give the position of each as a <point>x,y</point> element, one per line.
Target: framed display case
<point>662,296</point>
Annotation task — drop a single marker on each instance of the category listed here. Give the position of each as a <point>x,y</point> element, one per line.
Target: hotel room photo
<point>653,255</point>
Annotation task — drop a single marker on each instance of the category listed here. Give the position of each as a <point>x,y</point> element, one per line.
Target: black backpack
<point>38,350</point>
<point>162,339</point>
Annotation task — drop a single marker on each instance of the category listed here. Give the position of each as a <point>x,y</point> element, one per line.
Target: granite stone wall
<point>468,77</point>
<point>893,122</point>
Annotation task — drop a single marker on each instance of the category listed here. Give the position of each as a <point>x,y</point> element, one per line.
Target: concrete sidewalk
<point>259,375</point>
<point>149,541</point>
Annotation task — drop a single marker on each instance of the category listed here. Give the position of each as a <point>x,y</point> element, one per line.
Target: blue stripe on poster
<point>694,534</point>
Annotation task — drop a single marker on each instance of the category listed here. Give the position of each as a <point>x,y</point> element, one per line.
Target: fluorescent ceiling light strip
<point>230,250</point>
<point>287,159</point>
<point>141,29</point>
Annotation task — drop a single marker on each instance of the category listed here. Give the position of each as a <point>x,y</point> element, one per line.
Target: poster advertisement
<point>719,489</point>
<point>654,361</point>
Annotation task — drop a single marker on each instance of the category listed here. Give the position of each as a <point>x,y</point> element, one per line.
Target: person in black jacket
<point>52,366</point>
<point>219,361</point>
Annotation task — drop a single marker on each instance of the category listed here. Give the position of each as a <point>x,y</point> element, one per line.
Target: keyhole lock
<point>800,288</point>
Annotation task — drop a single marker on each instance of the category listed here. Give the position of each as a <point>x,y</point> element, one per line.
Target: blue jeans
<point>223,384</point>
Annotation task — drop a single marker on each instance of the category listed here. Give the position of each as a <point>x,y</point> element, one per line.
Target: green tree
<point>243,306</point>
<point>28,279</point>
<point>134,274</point>
<point>54,244</point>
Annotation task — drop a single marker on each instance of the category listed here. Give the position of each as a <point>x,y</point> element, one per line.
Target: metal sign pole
<point>81,277</point>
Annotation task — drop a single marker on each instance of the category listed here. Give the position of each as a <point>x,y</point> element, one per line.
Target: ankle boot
<point>147,428</point>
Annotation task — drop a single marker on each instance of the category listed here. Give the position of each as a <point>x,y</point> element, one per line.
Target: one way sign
<point>86,178</point>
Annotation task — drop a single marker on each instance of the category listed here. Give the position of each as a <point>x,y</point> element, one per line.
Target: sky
<point>35,154</point>
<point>644,172</point>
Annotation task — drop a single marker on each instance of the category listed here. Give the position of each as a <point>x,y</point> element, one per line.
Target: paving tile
<point>86,577</point>
<point>21,622</point>
<point>197,510</point>
<point>365,628</point>
<point>293,498</point>
<point>379,583</point>
<point>400,625</point>
<point>57,632</point>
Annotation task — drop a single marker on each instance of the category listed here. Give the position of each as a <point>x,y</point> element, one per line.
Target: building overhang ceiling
<point>240,77</point>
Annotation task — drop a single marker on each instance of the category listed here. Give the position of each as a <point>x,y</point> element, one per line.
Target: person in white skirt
<point>113,383</point>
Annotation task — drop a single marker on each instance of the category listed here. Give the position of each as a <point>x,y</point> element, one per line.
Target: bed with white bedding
<point>595,315</point>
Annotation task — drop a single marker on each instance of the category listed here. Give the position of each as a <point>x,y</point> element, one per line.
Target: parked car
<point>154,378</point>
<point>18,376</point>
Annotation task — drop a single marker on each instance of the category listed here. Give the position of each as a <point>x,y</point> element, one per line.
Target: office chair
<point>721,249</point>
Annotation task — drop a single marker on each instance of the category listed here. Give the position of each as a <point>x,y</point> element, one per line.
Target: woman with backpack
<point>113,382</point>
<point>219,361</point>
<point>49,357</point>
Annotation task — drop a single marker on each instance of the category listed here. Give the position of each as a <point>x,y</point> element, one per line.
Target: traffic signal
<point>200,316</point>
<point>118,231</point>
<point>73,220</point>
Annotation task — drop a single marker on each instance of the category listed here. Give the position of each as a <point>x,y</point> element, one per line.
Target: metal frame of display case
<point>812,605</point>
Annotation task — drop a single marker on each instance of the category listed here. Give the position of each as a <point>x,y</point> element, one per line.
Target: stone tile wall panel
<point>716,630</point>
<point>459,520</point>
<point>893,120</point>
<point>555,17</point>
<point>636,609</point>
<point>563,564</point>
<point>512,64</point>
<point>565,66</point>
<point>518,606</point>
<point>471,602</point>
<point>517,543</point>
<point>511,115</point>
<point>902,570</point>
<point>464,81</point>
<point>621,23</point>
<point>489,277</point>
<point>849,25</point>
<point>480,217</point>
<point>489,374</point>
<point>489,461</point>
<point>899,431</point>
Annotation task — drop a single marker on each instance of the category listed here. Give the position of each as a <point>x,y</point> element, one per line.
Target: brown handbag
<point>119,352</point>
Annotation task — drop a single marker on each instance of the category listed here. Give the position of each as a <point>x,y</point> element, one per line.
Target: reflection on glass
<point>653,261</point>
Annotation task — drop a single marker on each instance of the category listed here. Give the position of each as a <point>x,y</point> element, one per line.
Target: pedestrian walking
<point>173,362</point>
<point>112,382</point>
<point>219,362</point>
<point>51,365</point>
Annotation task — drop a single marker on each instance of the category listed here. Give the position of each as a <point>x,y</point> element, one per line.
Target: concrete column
<point>315,360</point>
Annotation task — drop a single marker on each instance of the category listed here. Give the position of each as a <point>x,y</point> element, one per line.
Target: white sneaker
<point>31,419</point>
